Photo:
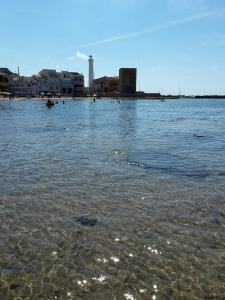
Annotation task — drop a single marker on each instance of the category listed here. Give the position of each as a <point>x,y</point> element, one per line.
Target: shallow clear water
<point>148,176</point>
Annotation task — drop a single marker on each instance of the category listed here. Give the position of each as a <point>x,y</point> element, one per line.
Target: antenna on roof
<point>18,71</point>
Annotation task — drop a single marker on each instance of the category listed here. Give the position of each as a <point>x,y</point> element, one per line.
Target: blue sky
<point>175,44</point>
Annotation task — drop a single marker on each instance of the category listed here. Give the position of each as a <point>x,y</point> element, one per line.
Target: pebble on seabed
<point>129,297</point>
<point>81,283</point>
<point>143,291</point>
<point>54,253</point>
<point>155,287</point>
<point>154,250</point>
<point>115,259</point>
<point>102,278</point>
<point>104,260</point>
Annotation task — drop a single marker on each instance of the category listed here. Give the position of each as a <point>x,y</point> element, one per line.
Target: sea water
<point>112,200</point>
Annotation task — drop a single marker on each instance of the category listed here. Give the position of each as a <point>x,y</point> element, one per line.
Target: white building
<point>49,81</point>
<point>72,84</point>
<point>66,83</point>
<point>78,83</point>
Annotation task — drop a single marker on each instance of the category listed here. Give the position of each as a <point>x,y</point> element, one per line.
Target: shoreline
<point>163,99</point>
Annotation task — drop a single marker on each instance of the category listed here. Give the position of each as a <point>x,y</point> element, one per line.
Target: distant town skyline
<point>176,45</point>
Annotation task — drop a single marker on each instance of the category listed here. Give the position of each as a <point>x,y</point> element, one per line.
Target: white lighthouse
<point>91,71</point>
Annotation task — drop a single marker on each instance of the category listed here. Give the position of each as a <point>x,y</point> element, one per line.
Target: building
<point>23,86</point>
<point>49,82</point>
<point>127,81</point>
<point>66,84</point>
<point>69,84</point>
<point>72,84</point>
<point>5,76</point>
<point>144,95</point>
<point>78,83</point>
<point>106,85</point>
<point>6,72</point>
<point>4,83</point>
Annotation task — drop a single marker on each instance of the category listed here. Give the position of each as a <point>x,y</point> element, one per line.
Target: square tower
<point>127,81</point>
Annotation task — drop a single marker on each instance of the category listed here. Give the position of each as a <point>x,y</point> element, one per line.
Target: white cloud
<point>78,55</point>
<point>81,55</point>
<point>58,69</point>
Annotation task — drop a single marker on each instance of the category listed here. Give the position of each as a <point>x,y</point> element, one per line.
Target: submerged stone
<point>14,286</point>
<point>198,136</point>
<point>87,221</point>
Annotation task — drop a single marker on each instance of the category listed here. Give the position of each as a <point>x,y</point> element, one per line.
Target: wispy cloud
<point>185,4</point>
<point>78,55</point>
<point>160,27</point>
<point>81,55</point>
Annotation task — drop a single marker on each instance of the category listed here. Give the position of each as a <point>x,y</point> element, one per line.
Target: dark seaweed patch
<point>87,221</point>
<point>171,170</point>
